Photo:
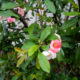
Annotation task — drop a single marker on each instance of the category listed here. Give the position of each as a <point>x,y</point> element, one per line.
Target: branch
<point>22,19</point>
<point>55,15</point>
<point>69,11</point>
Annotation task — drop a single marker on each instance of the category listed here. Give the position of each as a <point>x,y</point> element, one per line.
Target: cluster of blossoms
<point>20,11</point>
<point>55,47</point>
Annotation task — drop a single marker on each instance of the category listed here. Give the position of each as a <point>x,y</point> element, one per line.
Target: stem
<point>69,11</point>
<point>22,19</point>
<point>41,15</point>
<point>79,4</point>
<point>41,22</point>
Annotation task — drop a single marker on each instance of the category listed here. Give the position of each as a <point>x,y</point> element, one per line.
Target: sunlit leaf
<point>44,63</point>
<point>32,50</point>
<point>46,32</point>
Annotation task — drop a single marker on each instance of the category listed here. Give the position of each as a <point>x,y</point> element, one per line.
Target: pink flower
<point>10,20</point>
<point>58,36</point>
<point>21,11</point>
<point>55,46</point>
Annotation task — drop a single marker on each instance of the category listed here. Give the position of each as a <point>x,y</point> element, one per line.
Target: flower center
<point>54,45</point>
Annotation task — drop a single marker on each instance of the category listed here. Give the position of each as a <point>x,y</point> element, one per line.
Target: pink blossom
<point>58,36</point>
<point>55,46</point>
<point>10,20</point>
<point>21,11</point>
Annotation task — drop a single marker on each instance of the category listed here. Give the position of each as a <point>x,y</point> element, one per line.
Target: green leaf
<point>45,47</point>
<point>28,7</point>
<point>37,63</point>
<point>24,77</point>
<point>20,60</point>
<point>53,37</point>
<point>32,27</point>
<point>14,78</point>
<point>2,76</point>
<point>1,29</point>
<point>60,55</point>
<point>44,63</point>
<point>2,61</point>
<point>65,44</point>
<point>8,5</point>
<point>77,56</point>
<point>32,50</point>
<point>8,13</point>
<point>69,23</point>
<point>71,13</point>
<point>74,78</point>
<point>26,63</point>
<point>27,45</point>
<point>46,32</point>
<point>50,6</point>
<point>33,37</point>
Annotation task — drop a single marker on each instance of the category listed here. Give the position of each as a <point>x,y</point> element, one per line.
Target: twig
<point>22,19</point>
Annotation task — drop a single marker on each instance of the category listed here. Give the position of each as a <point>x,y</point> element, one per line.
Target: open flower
<point>55,45</point>
<point>49,54</point>
<point>10,20</point>
<point>21,11</point>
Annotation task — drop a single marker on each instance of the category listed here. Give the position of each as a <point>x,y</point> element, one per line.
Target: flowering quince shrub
<point>48,48</point>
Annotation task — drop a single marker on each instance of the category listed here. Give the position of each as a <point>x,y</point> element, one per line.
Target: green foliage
<point>21,46</point>
<point>50,6</point>
<point>46,32</point>
<point>44,63</point>
<point>71,13</point>
<point>32,50</point>
<point>8,5</point>
<point>8,13</point>
<point>20,60</point>
<point>69,23</point>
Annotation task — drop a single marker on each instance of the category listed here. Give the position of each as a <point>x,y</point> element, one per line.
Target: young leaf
<point>37,64</point>
<point>20,60</point>
<point>44,63</point>
<point>32,50</point>
<point>50,6</point>
<point>46,32</point>
<point>18,49</point>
